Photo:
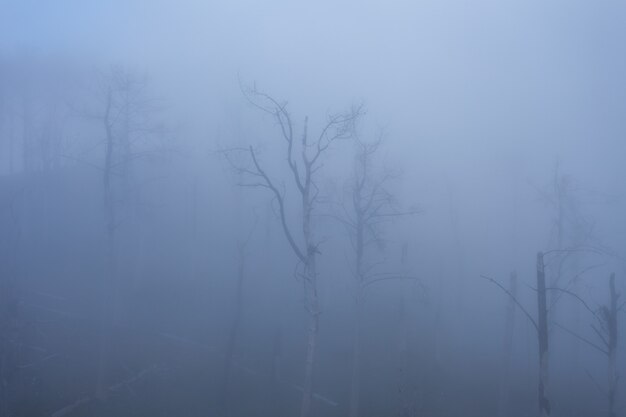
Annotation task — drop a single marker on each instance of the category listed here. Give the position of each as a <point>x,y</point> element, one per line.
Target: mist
<point>284,208</point>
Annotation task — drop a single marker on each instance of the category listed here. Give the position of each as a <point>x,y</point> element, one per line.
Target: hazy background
<point>482,103</point>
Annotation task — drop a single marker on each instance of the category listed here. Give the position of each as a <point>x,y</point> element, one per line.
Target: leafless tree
<point>609,325</point>
<point>33,113</point>
<point>542,336</point>
<point>569,229</point>
<point>126,120</point>
<point>371,205</point>
<point>606,330</point>
<point>304,161</point>
<point>235,327</point>
<point>9,302</point>
<point>541,327</point>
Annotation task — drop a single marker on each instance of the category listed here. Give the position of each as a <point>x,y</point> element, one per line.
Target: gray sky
<point>476,93</point>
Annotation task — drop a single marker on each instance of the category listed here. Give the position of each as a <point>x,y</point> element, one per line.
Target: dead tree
<point>10,322</point>
<point>125,118</point>
<point>609,314</point>
<point>304,161</point>
<point>541,327</point>
<point>542,333</point>
<point>606,330</point>
<point>234,331</point>
<point>371,204</point>
<point>569,229</point>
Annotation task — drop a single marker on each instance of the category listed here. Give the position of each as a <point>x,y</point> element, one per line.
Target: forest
<point>323,209</point>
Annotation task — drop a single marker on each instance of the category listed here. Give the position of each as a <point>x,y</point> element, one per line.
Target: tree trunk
<point>9,345</point>
<point>108,283</point>
<point>355,385</point>
<point>612,352</point>
<point>312,301</point>
<point>275,395</point>
<point>505,383</point>
<point>311,297</point>
<point>233,333</point>
<point>542,331</point>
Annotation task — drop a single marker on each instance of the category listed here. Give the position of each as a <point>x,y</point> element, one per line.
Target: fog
<point>332,208</point>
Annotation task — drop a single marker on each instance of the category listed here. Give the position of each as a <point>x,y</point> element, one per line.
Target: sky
<point>469,92</point>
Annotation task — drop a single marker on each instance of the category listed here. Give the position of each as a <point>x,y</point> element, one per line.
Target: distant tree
<point>541,327</point>
<point>303,159</point>
<point>507,347</point>
<point>570,229</point>
<point>606,330</point>
<point>371,205</point>
<point>235,327</point>
<point>10,322</point>
<point>126,117</point>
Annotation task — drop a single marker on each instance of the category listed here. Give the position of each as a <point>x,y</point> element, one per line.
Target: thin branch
<point>515,300</point>
<point>577,336</point>
<point>392,277</point>
<point>564,291</point>
<point>281,205</point>
<point>600,335</point>
<point>346,222</point>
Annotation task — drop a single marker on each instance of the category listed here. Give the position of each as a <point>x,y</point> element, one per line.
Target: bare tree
<point>542,335</point>
<point>125,118</point>
<point>569,229</point>
<point>606,317</point>
<point>235,327</point>
<point>371,205</point>
<point>33,113</point>
<point>609,325</point>
<point>10,322</point>
<point>304,161</point>
<point>541,327</point>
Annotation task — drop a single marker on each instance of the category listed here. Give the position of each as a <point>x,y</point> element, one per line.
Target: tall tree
<point>606,330</point>
<point>10,322</point>
<point>235,326</point>
<point>126,119</point>
<point>371,205</point>
<point>541,327</point>
<point>304,162</point>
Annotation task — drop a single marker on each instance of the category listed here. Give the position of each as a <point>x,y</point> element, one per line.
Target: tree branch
<point>515,300</point>
<point>577,336</point>
<point>281,205</point>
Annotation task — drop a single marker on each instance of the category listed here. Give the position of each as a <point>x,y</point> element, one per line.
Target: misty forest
<point>315,209</point>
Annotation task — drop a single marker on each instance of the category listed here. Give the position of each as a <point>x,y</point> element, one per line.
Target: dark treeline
<point>184,235</point>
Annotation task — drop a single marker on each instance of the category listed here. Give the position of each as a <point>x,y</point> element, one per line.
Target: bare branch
<point>281,205</point>
<point>394,277</point>
<point>342,125</point>
<point>600,335</point>
<point>577,336</point>
<point>564,291</point>
<point>515,300</point>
